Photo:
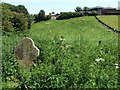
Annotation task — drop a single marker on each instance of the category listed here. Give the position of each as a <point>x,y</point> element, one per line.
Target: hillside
<point>111,20</point>
<point>74,53</point>
<point>87,27</point>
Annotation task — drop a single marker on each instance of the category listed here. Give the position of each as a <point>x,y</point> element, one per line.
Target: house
<point>106,11</point>
<point>53,16</point>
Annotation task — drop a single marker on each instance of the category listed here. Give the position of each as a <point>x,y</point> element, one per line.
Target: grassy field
<point>86,27</point>
<point>111,20</point>
<point>74,53</point>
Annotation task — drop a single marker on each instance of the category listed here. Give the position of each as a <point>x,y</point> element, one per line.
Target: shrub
<point>41,16</point>
<point>68,15</point>
<point>20,21</point>
<point>15,18</point>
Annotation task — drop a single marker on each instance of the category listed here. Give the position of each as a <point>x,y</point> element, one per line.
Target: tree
<point>78,9</point>
<point>42,12</point>
<point>22,9</point>
<point>15,18</point>
<point>86,8</point>
<point>53,12</point>
<point>7,25</point>
<point>40,16</point>
<point>20,21</point>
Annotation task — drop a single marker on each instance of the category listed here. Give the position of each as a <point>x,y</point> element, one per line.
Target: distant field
<point>110,20</point>
<point>87,27</point>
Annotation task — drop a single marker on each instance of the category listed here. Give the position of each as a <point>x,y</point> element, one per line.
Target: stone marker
<point>26,51</point>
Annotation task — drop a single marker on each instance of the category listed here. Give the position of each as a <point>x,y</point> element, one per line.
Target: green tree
<point>40,16</point>
<point>20,21</point>
<point>7,25</point>
<point>15,18</point>
<point>22,9</point>
<point>78,9</point>
<point>86,8</point>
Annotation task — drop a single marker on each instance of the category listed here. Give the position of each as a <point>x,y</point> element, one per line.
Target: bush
<point>94,12</point>
<point>20,21</point>
<point>15,18</point>
<point>68,15</point>
<point>41,16</point>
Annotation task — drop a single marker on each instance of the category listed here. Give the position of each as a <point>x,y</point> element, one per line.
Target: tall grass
<point>74,53</point>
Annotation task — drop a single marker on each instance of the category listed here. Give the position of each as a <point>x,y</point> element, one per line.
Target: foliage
<point>19,21</point>
<point>32,18</point>
<point>13,8</point>
<point>74,53</point>
<point>22,9</point>
<point>15,18</point>
<point>13,21</point>
<point>41,16</point>
<point>7,25</point>
<point>68,15</point>
<point>78,9</point>
<point>94,12</point>
<point>86,8</point>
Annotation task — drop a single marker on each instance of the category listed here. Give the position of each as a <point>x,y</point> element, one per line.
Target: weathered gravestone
<point>26,51</point>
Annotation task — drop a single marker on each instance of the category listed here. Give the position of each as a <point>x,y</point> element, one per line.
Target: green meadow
<point>74,53</point>
<point>111,20</point>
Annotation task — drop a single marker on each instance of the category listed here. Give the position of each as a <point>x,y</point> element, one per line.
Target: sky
<point>34,6</point>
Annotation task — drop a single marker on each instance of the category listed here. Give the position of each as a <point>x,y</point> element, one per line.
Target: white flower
<point>99,59</point>
<point>62,39</point>
<point>116,66</point>
<point>53,41</point>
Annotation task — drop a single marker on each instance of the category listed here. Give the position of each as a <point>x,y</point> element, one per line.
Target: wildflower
<point>116,66</point>
<point>62,39</point>
<point>54,41</point>
<point>99,59</point>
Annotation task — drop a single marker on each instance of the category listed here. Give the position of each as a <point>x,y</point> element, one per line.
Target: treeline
<point>78,13</point>
<point>41,16</point>
<point>67,15</point>
<point>15,18</point>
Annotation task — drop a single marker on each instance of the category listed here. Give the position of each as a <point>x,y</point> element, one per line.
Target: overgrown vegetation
<point>41,16</point>
<point>15,18</point>
<point>74,53</point>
